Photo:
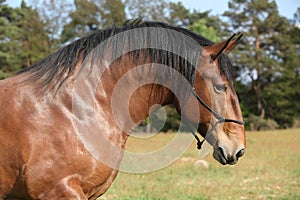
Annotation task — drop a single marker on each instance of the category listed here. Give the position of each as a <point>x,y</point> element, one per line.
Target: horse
<point>65,120</point>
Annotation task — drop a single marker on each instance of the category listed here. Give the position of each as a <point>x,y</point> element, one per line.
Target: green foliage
<point>33,38</point>
<point>84,19</point>
<point>268,57</point>
<point>179,15</point>
<point>89,16</point>
<point>23,38</point>
<point>9,60</point>
<point>113,13</point>
<point>201,28</point>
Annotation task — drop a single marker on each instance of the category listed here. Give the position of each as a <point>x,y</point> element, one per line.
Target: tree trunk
<point>259,102</point>
<point>257,83</point>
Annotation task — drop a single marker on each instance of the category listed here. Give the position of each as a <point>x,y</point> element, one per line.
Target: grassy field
<point>270,169</point>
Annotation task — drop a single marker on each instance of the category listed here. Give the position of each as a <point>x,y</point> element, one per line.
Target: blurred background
<point>266,63</point>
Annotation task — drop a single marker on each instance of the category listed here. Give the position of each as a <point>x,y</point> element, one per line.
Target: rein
<point>220,119</point>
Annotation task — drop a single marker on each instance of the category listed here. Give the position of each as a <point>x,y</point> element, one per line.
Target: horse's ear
<point>215,50</point>
<point>233,43</point>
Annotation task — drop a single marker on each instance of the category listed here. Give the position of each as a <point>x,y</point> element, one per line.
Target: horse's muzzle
<point>224,158</point>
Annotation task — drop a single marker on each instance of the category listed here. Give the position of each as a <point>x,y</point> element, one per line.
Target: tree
<point>54,15</point>
<point>201,28</point>
<point>113,13</point>
<point>265,55</point>
<point>91,15</point>
<point>84,19</point>
<point>147,9</point>
<point>179,14</point>
<point>9,59</point>
<point>23,39</point>
<point>289,81</point>
<point>34,40</point>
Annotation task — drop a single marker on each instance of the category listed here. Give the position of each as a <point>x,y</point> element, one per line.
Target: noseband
<point>220,119</point>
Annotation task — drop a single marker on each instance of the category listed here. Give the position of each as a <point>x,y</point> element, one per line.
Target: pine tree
<point>179,14</point>
<point>265,55</point>
<point>84,19</point>
<point>23,38</point>
<point>33,37</point>
<point>9,60</point>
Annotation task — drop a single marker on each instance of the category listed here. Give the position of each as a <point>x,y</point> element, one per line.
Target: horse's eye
<point>220,88</point>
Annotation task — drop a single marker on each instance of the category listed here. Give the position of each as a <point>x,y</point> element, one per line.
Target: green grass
<point>270,169</point>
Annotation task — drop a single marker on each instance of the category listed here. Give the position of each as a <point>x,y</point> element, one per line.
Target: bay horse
<point>65,120</point>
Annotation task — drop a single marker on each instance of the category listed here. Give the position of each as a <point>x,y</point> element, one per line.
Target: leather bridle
<point>220,119</point>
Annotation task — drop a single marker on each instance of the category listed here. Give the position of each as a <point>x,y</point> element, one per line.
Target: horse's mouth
<point>220,156</point>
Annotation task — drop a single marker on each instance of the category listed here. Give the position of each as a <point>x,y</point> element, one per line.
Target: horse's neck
<point>128,93</point>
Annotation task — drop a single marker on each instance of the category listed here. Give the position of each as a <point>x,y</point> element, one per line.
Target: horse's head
<point>218,116</point>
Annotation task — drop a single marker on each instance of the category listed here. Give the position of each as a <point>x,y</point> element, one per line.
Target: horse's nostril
<point>226,158</point>
<point>240,153</point>
<point>220,149</point>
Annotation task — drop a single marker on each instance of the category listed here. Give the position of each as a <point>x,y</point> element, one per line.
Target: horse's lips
<point>217,155</point>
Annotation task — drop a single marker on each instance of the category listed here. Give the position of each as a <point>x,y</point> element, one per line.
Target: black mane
<point>59,66</point>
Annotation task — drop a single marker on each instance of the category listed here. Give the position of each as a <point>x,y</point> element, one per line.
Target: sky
<point>286,8</point>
